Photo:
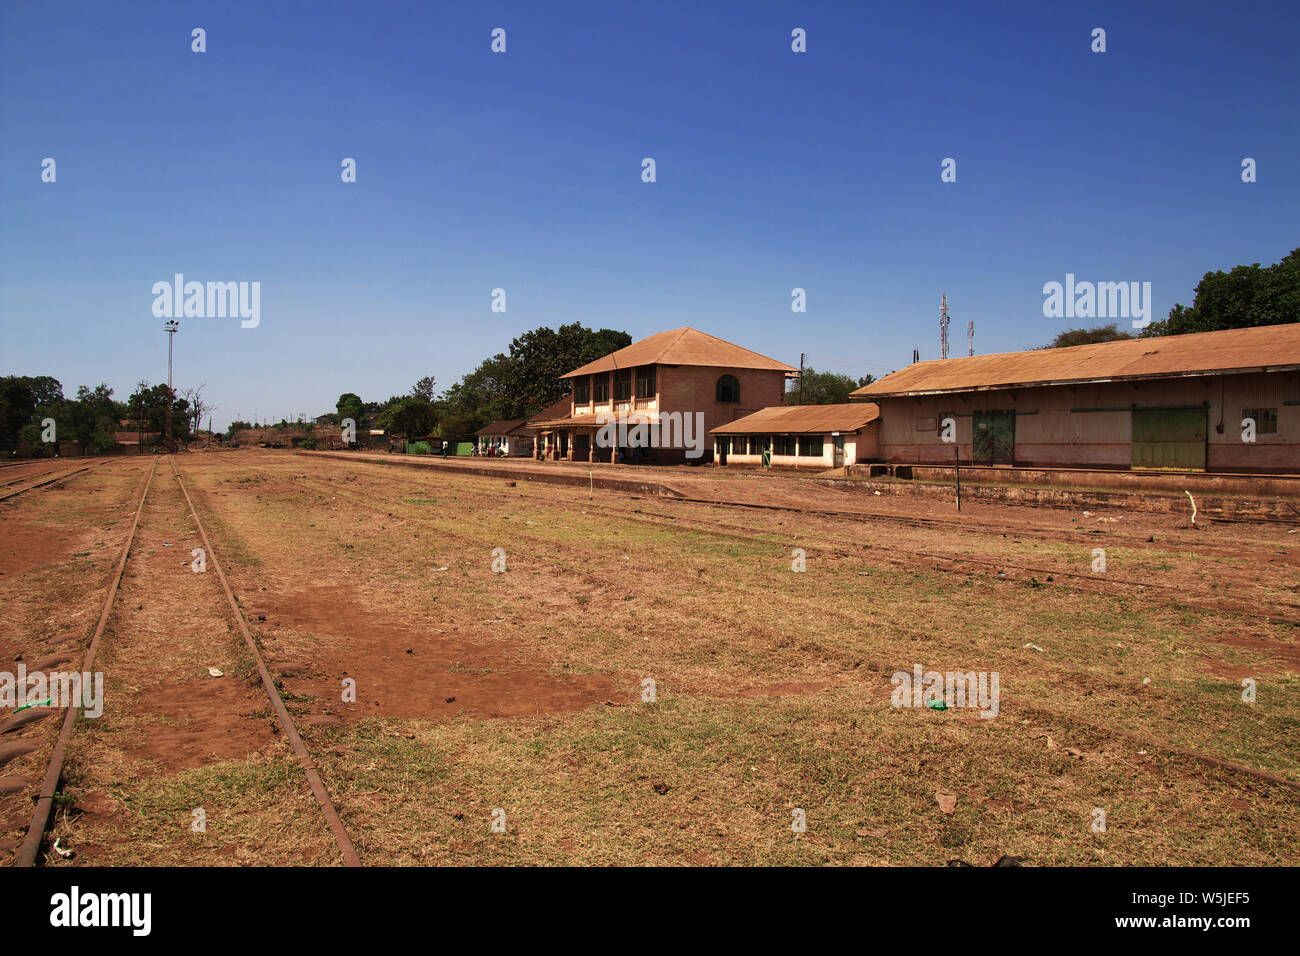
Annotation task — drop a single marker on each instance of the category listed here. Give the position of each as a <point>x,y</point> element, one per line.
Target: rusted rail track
<point>49,478</point>
<point>28,852</point>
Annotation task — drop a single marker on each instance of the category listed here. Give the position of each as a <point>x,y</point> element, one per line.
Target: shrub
<point>418,448</point>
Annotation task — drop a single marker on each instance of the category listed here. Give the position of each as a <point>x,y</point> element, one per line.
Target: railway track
<point>1277,611</point>
<point>395,510</point>
<point>45,478</point>
<point>1038,533</point>
<point>29,849</point>
<point>1171,595</point>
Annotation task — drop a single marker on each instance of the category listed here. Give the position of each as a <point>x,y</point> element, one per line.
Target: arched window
<point>728,389</point>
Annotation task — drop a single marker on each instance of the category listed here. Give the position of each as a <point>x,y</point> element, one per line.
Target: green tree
<point>412,416</point>
<point>17,404</point>
<point>1245,297</point>
<point>1102,333</point>
<point>350,406</point>
<point>820,388</point>
<point>424,388</point>
<point>537,359</point>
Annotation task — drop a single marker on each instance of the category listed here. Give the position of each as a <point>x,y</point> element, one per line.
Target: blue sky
<point>522,171</point>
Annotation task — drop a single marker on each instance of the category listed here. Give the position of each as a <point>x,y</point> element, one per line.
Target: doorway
<point>993,437</point>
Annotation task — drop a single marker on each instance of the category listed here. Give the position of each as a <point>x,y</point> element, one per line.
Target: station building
<point>656,383</point>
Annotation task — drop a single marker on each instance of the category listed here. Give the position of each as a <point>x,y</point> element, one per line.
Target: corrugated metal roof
<point>684,346</point>
<point>1200,353</point>
<point>504,427</point>
<point>552,412</point>
<point>802,420</point>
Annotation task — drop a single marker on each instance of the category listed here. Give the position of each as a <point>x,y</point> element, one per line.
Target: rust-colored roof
<point>802,420</point>
<point>684,346</point>
<point>553,411</point>
<point>1232,351</point>
<point>596,419</point>
<point>507,426</point>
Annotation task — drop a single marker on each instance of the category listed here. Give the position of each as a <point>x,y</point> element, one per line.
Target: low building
<point>657,399</point>
<point>1224,401</point>
<point>546,438</point>
<point>511,437</point>
<point>800,436</point>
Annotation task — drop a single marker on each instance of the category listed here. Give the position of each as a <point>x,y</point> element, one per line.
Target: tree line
<point>28,404</point>
<point>1242,298</point>
<point>517,383</point>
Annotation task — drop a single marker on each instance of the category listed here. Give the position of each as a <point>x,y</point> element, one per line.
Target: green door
<point>994,437</point>
<point>1169,438</point>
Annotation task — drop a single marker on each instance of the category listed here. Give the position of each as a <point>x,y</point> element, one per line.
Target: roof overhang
<point>1108,380</point>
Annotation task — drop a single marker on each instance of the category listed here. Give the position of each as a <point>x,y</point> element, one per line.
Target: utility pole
<point>170,327</point>
<point>801,378</point>
<point>970,337</point>
<point>943,327</point>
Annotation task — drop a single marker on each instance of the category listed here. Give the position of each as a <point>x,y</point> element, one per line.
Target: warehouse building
<point>800,436</point>
<point>1224,401</point>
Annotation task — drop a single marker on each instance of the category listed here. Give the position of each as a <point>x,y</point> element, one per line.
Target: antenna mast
<point>943,327</point>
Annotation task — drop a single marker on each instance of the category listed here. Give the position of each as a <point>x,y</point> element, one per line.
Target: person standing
<point>444,448</point>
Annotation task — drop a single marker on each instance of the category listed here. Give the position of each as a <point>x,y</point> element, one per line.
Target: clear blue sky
<point>523,171</point>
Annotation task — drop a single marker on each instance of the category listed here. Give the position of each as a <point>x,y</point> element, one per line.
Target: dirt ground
<point>495,672</point>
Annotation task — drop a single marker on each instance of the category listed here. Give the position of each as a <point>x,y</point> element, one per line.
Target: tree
<point>412,416</point>
<point>17,403</point>
<point>424,388</point>
<point>198,406</point>
<point>1102,333</point>
<point>820,388</point>
<point>1243,298</point>
<point>350,406</point>
<point>537,359</point>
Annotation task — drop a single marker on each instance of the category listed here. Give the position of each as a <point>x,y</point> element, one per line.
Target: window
<point>601,386</point>
<point>622,384</point>
<point>728,389</point>
<point>810,446</point>
<point>645,382</point>
<point>783,445</point>
<point>756,445</point>
<point>582,391</point>
<point>724,445</point>
<point>1265,419</point>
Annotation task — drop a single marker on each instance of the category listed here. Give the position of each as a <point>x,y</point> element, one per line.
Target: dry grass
<point>773,687</point>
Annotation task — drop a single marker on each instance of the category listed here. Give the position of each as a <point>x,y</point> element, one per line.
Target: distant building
<point>511,437</point>
<point>1224,401</point>
<point>656,383</point>
<point>800,436</point>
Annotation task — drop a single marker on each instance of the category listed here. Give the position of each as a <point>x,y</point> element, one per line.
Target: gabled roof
<point>506,426</point>
<point>803,420</point>
<point>1229,352</point>
<point>684,346</point>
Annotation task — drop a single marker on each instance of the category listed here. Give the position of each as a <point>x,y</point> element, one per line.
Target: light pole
<point>171,327</point>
